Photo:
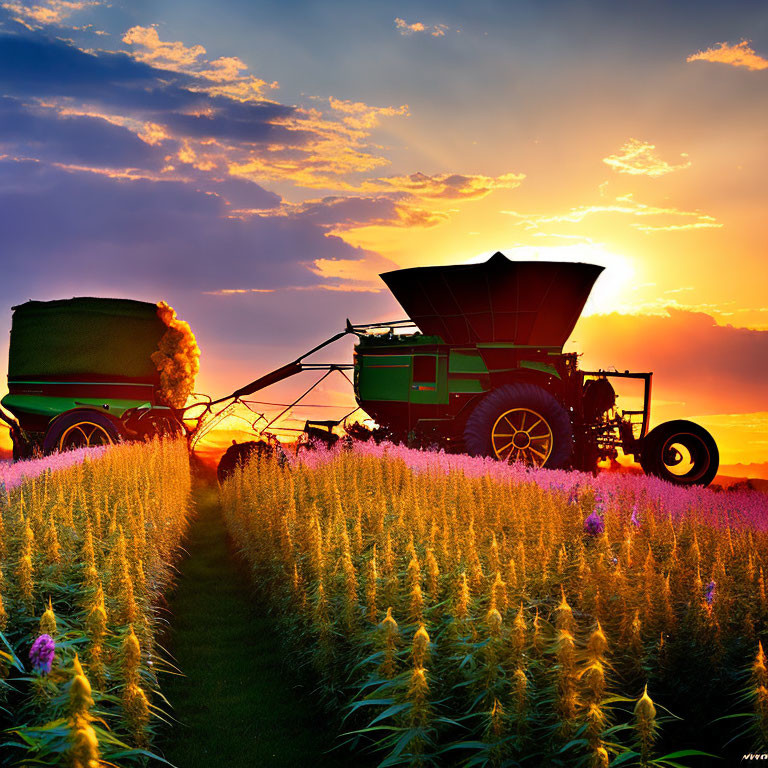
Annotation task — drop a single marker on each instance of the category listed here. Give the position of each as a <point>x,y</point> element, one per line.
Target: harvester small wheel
<point>80,429</point>
<point>520,422</point>
<point>680,452</point>
<point>239,454</point>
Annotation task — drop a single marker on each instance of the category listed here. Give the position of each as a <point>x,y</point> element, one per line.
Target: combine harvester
<point>478,367</point>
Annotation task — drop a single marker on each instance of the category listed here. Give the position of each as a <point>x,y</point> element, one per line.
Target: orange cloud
<point>153,134</point>
<point>739,55</point>
<point>707,367</point>
<point>626,206</point>
<point>446,186</point>
<point>48,12</point>
<point>167,55</point>
<point>415,200</point>
<point>223,73</point>
<point>364,116</point>
<point>333,148</point>
<point>404,28</point>
<point>637,158</point>
<point>233,291</point>
<point>341,287</point>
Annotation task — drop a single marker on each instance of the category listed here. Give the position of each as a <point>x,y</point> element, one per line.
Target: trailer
<point>90,371</point>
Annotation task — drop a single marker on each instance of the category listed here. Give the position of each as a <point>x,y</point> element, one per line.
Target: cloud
<point>341,288</point>
<point>44,133</point>
<point>710,368</point>
<point>166,55</point>
<point>363,116</point>
<point>398,201</point>
<point>669,218</point>
<point>45,68</point>
<point>223,74</point>
<point>738,55</point>
<point>446,186</point>
<point>404,28</point>
<point>637,158</point>
<point>171,235</point>
<point>34,16</point>
<point>258,139</point>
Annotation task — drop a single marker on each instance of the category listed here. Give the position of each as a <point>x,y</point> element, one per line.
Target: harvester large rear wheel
<point>80,429</point>
<point>680,452</point>
<point>520,422</point>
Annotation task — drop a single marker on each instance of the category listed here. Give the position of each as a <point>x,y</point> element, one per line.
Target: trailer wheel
<point>680,452</point>
<point>80,429</point>
<point>520,422</point>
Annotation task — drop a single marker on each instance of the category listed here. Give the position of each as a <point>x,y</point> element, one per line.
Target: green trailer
<point>84,371</point>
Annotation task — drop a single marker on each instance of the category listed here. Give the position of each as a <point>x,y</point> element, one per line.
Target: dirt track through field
<point>237,703</point>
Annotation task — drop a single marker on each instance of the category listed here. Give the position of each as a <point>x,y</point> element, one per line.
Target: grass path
<point>236,702</point>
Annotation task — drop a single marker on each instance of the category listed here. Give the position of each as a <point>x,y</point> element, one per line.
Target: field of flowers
<point>14,473</point>
<point>86,553</point>
<point>457,611</point>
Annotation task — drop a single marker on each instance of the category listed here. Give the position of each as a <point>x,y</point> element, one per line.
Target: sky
<point>257,165</point>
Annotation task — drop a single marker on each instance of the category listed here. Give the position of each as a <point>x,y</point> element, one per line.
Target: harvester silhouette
<point>477,367</point>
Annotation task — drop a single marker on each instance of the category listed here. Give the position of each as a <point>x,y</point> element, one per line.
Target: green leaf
<point>688,753</point>
<point>624,757</point>
<point>466,745</point>
<point>393,710</point>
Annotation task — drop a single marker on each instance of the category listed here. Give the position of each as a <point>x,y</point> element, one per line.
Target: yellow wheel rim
<point>522,434</point>
<point>84,434</point>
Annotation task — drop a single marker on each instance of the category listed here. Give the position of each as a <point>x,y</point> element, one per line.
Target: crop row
<point>459,618</point>
<point>86,555</point>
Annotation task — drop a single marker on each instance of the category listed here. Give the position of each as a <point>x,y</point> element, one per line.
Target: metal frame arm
<point>286,371</point>
<point>17,435</point>
<point>647,379</point>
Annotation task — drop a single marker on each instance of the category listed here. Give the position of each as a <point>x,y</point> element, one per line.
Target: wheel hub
<point>84,434</point>
<point>521,440</point>
<point>522,434</point>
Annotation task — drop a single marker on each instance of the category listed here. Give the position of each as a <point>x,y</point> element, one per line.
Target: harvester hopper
<point>525,303</point>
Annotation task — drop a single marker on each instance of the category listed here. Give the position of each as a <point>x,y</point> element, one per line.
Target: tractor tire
<point>496,427</point>
<point>680,452</point>
<point>80,429</point>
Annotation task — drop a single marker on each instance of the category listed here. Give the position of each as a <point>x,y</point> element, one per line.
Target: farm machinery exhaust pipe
<point>286,371</point>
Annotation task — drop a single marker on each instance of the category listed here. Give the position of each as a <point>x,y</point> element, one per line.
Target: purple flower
<point>599,502</point>
<point>594,524</point>
<point>709,593</point>
<point>573,497</point>
<point>42,652</point>
<point>635,519</point>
